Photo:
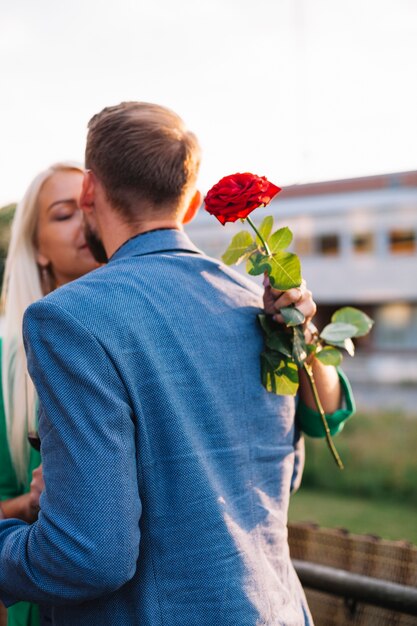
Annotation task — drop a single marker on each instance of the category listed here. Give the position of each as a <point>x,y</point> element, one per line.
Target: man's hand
<point>301,297</point>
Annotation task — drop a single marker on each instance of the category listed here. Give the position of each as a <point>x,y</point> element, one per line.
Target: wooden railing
<point>354,579</point>
<point>355,588</point>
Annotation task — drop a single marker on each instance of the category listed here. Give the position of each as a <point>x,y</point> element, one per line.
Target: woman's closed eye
<point>63,216</point>
<point>60,214</point>
<point>61,211</point>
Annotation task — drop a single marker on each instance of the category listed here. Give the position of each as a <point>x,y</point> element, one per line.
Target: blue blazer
<point>167,465</point>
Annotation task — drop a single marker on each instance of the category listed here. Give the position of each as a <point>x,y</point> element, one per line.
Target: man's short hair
<point>142,153</point>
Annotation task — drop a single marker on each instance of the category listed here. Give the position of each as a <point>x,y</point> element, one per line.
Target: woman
<point>47,249</point>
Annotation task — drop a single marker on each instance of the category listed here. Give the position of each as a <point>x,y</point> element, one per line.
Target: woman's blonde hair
<point>22,285</point>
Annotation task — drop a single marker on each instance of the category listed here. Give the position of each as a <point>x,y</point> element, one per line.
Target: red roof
<point>365,183</point>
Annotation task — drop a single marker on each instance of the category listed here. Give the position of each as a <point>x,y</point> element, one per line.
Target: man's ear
<point>88,192</point>
<point>193,207</point>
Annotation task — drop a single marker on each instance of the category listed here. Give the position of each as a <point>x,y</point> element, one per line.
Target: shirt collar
<point>161,240</point>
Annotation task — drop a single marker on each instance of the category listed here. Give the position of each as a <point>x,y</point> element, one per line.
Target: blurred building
<point>357,240</point>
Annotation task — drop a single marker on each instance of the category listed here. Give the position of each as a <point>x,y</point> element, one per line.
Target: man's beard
<point>95,244</point>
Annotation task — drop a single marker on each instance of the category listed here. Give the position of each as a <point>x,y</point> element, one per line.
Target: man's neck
<point>118,232</point>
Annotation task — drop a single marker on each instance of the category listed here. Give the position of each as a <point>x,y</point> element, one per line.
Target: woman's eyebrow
<point>65,201</point>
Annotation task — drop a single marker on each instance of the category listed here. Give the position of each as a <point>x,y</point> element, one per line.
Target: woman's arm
<point>17,508</point>
<point>26,506</point>
<point>327,384</point>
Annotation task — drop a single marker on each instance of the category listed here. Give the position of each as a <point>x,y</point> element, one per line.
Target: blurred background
<point>320,96</point>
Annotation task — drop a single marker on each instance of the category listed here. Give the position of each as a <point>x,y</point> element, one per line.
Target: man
<point>167,466</point>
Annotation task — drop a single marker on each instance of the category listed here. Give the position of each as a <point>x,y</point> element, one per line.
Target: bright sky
<point>296,90</point>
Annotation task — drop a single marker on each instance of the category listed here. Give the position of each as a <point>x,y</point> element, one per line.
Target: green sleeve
<point>309,421</point>
<point>9,485</point>
<point>23,614</point>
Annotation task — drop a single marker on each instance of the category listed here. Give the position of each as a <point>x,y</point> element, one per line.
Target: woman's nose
<point>80,217</point>
<point>79,221</point>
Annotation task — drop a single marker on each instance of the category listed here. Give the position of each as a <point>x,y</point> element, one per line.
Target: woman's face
<point>61,244</point>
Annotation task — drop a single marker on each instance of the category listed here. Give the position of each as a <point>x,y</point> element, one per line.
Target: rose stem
<point>309,371</point>
<point>265,245</point>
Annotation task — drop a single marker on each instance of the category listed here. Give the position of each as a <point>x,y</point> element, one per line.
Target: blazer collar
<point>153,241</point>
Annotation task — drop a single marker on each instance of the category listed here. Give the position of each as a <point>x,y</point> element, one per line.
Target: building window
<point>328,245</point>
<point>303,246</point>
<point>396,326</point>
<point>363,243</point>
<point>402,241</point>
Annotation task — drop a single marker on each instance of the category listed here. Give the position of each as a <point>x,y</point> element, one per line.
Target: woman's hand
<point>36,487</point>
<point>326,377</point>
<point>26,506</point>
<point>301,297</point>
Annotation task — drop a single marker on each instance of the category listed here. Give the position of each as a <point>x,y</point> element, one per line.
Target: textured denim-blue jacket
<point>167,465</point>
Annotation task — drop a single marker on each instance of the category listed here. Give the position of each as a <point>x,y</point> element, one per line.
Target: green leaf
<point>266,324</point>
<point>337,332</point>
<point>285,270</point>
<point>241,246</point>
<point>279,376</point>
<point>299,348</point>
<point>280,239</point>
<point>311,348</point>
<point>346,344</point>
<point>351,315</point>
<point>266,227</point>
<point>279,342</point>
<point>292,316</point>
<point>258,263</point>
<point>349,346</point>
<point>275,339</point>
<point>330,356</point>
<point>287,379</point>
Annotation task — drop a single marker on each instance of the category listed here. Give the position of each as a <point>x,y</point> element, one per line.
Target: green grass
<point>376,493</point>
<point>6,218</point>
<point>379,453</point>
<point>386,519</point>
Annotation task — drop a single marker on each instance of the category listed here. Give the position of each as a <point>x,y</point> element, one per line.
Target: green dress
<point>22,613</point>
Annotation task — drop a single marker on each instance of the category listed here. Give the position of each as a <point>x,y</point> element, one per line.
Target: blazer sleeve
<point>299,460</point>
<point>86,540</point>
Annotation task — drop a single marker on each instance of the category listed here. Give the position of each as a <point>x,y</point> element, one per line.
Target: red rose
<point>235,196</point>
